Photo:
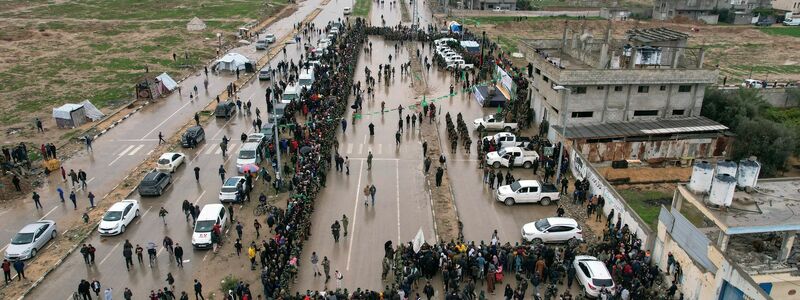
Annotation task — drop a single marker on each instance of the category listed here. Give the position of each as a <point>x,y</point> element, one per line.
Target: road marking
<point>126,150</point>
<point>90,180</point>
<point>198,198</point>
<point>144,214</point>
<point>109,253</point>
<point>165,120</point>
<point>47,214</point>
<point>133,152</point>
<point>355,214</point>
<point>397,187</point>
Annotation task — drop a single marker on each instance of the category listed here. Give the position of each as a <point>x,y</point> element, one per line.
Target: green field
<point>362,8</point>
<point>98,49</point>
<point>647,204</point>
<point>779,30</point>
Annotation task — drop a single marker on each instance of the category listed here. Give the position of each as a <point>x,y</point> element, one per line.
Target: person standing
<point>91,200</point>
<point>7,270</point>
<point>15,180</point>
<point>127,294</point>
<point>127,253</point>
<point>60,194</point>
<point>326,267</point>
<point>222,173</point>
<point>335,227</point>
<point>369,161</point>
<point>345,222</point>
<point>371,129</point>
<point>339,278</point>
<point>427,164</point>
<point>372,191</point>
<point>19,266</point>
<point>439,175</point>
<point>314,261</point>
<point>239,229</point>
<point>82,177</point>
<point>257,227</point>
<point>197,174</point>
<point>397,138</point>
<point>428,290</point>
<point>36,201</point>
<point>96,287</point>
<point>162,213</point>
<point>347,165</point>
<point>108,294</point>
<point>74,199</point>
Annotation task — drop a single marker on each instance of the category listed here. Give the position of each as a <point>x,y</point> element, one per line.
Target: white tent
<point>195,25</point>
<point>72,115</point>
<point>167,81</point>
<point>231,62</point>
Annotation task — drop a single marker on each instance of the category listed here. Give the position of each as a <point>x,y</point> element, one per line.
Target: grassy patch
<point>793,31</point>
<point>647,204</point>
<point>497,20</point>
<point>508,44</point>
<point>362,8</point>
<point>780,69</point>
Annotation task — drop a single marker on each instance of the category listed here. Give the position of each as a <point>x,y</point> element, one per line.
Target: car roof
<point>527,182</point>
<point>597,269</point>
<point>562,221</point>
<point>232,180</point>
<point>119,206</point>
<point>251,146</point>
<point>210,211</point>
<point>151,175</point>
<point>32,227</point>
<point>194,128</point>
<point>169,154</point>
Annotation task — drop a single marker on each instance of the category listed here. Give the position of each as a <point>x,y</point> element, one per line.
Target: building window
<point>582,114</point>
<point>618,88</point>
<point>645,113</point>
<point>677,112</point>
<point>684,88</point>
<point>600,87</point>
<point>644,89</point>
<point>580,90</point>
<point>545,79</point>
<point>538,71</point>
<point>662,88</point>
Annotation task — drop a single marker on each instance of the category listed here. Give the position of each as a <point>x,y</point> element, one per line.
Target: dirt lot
<point>770,53</point>
<point>55,53</point>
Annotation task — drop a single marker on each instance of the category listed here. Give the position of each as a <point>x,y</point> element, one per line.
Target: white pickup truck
<point>490,123</point>
<point>522,157</point>
<point>527,191</point>
<point>508,139</point>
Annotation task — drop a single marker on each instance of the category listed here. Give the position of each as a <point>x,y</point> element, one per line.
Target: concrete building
<point>708,10</point>
<point>792,6</point>
<point>489,4</point>
<point>742,249</point>
<point>645,78</point>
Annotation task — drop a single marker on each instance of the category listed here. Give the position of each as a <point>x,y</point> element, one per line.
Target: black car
<point>193,136</point>
<point>225,109</point>
<point>154,183</point>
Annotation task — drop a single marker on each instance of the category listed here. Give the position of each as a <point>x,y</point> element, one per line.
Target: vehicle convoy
<point>527,191</point>
<point>495,124</point>
<point>522,158</point>
<point>552,230</point>
<point>118,217</point>
<point>30,239</point>
<point>508,139</point>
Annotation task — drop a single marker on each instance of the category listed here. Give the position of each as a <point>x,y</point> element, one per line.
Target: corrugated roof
<point>659,34</point>
<point>641,128</point>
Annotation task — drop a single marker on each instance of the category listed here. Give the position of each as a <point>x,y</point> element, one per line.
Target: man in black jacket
<point>178,254</point>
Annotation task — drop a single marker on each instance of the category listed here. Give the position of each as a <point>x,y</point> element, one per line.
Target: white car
<point>30,239</point>
<point>347,10</point>
<point>334,30</point>
<point>593,275</point>
<point>118,217</point>
<point>170,161</point>
<point>270,38</point>
<point>552,230</point>
<point>227,193</point>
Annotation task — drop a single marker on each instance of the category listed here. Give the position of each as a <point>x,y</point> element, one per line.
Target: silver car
<point>30,239</point>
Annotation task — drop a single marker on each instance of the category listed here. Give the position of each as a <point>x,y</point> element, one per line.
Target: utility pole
<point>414,14</point>
<point>275,135</point>
<point>566,91</point>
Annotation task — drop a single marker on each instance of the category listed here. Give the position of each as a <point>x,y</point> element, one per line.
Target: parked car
<point>269,38</point>
<point>227,193</point>
<point>262,44</point>
<point>522,158</point>
<point>347,10</point>
<point>592,275</point>
<point>527,191</point>
<point>490,123</point>
<point>460,64</point>
<point>765,22</point>
<point>225,109</point>
<point>552,230</point>
<point>118,217</point>
<point>248,155</point>
<point>193,136</point>
<point>257,137</point>
<point>154,183</point>
<point>791,22</point>
<point>268,129</point>
<point>508,139</point>
<point>170,161</point>
<point>265,74</point>
<point>30,239</point>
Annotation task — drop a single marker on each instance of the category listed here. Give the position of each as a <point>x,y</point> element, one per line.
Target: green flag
<point>357,116</point>
<point>499,109</point>
<point>424,102</point>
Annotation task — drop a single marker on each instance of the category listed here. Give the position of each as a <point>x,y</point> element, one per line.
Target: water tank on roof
<point>702,174</point>
<point>722,190</point>
<point>747,174</point>
<point>726,167</point>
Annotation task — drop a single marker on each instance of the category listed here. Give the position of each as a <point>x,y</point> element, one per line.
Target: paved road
<point>149,227</point>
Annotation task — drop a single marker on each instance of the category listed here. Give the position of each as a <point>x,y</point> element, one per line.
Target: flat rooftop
<point>641,128</point>
<point>561,60</point>
<point>773,206</point>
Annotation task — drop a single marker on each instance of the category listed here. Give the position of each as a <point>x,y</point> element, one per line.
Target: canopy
<point>167,81</point>
<point>65,111</point>
<point>454,26</point>
<point>195,24</point>
<point>91,111</point>
<point>232,62</point>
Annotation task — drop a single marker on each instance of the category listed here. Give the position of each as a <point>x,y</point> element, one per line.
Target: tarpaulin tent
<point>150,87</point>
<point>232,62</point>
<point>167,82</point>
<point>72,115</point>
<point>454,26</point>
<point>195,25</point>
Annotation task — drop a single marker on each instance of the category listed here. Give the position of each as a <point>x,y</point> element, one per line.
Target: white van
<point>791,22</point>
<point>248,154</point>
<point>210,214</point>
<point>306,78</point>
<point>290,93</point>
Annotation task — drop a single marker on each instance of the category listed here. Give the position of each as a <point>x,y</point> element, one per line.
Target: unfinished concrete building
<point>732,234</point>
<point>646,88</point>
